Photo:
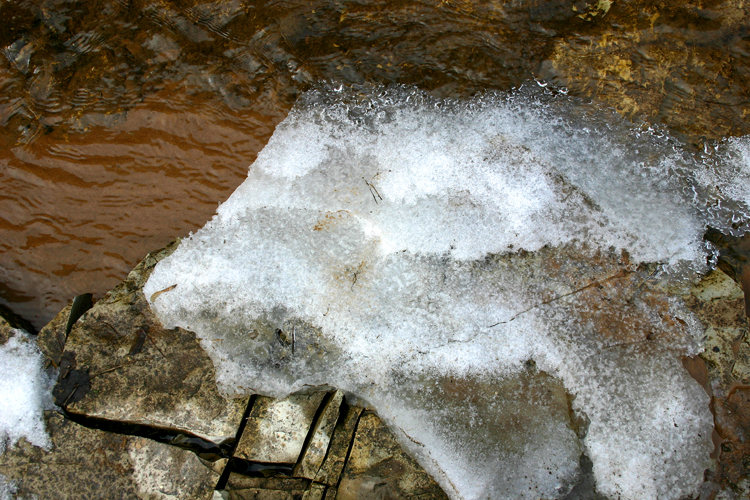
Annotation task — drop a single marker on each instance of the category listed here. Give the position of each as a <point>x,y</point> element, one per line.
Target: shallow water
<point>124,123</point>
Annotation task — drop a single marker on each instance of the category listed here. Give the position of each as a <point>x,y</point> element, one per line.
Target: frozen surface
<point>455,264</point>
<point>24,391</point>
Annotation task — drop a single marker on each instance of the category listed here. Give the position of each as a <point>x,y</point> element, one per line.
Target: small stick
<point>294,337</point>
<point>153,342</point>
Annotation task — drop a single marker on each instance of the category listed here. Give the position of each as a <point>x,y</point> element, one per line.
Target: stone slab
<point>85,464</point>
<point>52,337</point>
<point>120,364</point>
<point>316,491</point>
<point>315,452</point>
<point>277,428</point>
<point>343,435</point>
<point>273,488</point>
<point>166,472</point>
<point>379,468</point>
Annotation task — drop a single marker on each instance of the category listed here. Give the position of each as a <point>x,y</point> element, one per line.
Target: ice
<point>489,275</point>
<point>25,391</point>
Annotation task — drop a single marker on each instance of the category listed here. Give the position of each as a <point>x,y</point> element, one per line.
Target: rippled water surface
<point>124,123</point>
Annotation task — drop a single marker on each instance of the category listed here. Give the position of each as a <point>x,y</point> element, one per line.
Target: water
<point>125,123</point>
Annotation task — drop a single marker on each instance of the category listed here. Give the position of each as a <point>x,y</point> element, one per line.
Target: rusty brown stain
<point>330,219</point>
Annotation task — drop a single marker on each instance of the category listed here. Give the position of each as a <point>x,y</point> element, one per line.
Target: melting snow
<point>464,267</point>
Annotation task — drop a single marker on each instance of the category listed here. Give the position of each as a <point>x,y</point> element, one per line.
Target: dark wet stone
<point>87,464</point>
<point>586,487</point>
<point>378,468</point>
<point>124,366</point>
<point>73,384</point>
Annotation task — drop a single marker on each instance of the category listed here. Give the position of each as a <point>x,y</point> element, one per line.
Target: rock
<point>312,457</point>
<point>277,428</point>
<point>331,437</point>
<point>120,364</point>
<point>378,468</point>
<point>723,368</point>
<point>86,463</point>
<point>338,449</point>
<point>53,335</point>
<point>670,63</point>
<point>273,488</point>
<point>316,491</point>
<point>166,472</point>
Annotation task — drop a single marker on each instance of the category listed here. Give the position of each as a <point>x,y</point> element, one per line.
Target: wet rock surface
<point>120,364</point>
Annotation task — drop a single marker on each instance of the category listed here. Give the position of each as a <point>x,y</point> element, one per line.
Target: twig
<point>153,342</point>
<point>598,282</point>
<point>373,190</point>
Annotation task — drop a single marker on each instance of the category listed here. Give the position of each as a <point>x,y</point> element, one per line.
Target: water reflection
<point>125,122</point>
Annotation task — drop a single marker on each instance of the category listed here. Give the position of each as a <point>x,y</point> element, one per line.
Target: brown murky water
<point>124,123</point>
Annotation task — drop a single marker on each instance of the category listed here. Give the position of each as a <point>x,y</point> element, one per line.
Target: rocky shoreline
<point>139,415</point>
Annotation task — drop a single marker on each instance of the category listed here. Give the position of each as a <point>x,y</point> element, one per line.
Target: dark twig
<point>597,282</point>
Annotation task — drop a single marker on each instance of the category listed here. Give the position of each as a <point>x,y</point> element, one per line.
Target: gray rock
<point>313,456</point>
<point>120,364</point>
<point>276,428</point>
<point>86,463</point>
<point>162,472</point>
<point>338,449</point>
<point>52,337</point>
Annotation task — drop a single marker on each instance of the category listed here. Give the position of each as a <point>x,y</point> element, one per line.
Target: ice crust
<point>380,244</point>
<point>25,390</point>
